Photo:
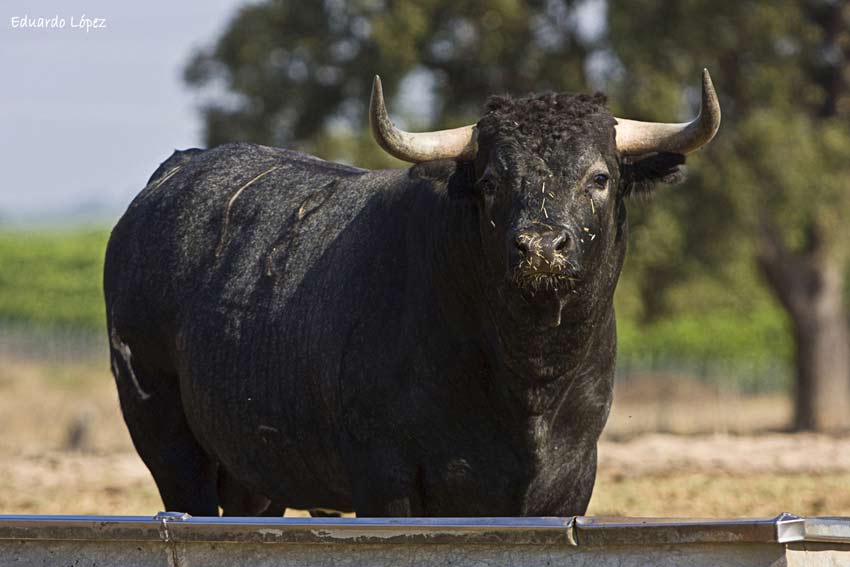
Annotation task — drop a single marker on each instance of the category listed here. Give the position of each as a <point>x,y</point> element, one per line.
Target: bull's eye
<point>600,180</point>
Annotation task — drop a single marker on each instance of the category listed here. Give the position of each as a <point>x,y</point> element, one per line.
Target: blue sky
<point>87,116</point>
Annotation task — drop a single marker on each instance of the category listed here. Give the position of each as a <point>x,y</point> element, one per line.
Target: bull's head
<point>552,174</point>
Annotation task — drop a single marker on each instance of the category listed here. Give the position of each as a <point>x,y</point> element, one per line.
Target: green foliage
<point>759,337</point>
<point>801,169</point>
<point>52,279</point>
<point>292,68</point>
<point>781,161</point>
<point>357,149</point>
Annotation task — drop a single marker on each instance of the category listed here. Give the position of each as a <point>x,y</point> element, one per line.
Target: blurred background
<point>733,391</point>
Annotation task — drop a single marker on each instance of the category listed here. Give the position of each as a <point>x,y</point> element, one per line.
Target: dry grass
<point>713,474</point>
<point>717,495</point>
<point>55,482</point>
<point>40,405</point>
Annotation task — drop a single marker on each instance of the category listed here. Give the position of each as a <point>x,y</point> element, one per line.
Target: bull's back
<point>211,225</point>
<point>225,274</point>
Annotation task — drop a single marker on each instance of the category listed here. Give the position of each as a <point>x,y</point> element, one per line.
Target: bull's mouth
<point>533,282</point>
<point>537,272</point>
<point>546,293</point>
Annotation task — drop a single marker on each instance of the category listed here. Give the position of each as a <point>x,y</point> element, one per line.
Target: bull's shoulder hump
<point>177,159</point>
<point>249,151</point>
<point>234,154</point>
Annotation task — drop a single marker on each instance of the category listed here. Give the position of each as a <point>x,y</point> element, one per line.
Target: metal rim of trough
<point>572,531</point>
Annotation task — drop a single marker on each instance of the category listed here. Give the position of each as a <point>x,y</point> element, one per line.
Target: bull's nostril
<point>561,242</point>
<point>521,242</point>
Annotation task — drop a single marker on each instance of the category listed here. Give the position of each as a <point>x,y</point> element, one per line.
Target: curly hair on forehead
<point>541,122</point>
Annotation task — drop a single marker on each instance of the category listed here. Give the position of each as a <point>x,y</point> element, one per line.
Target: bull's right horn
<point>634,137</point>
<point>458,143</point>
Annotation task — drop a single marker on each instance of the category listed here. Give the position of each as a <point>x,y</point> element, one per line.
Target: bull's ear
<point>639,176</point>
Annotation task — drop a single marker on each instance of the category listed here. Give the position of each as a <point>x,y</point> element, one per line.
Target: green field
<point>52,278</point>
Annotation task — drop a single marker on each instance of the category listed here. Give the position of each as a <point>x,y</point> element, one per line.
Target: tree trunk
<point>810,286</point>
<point>822,342</point>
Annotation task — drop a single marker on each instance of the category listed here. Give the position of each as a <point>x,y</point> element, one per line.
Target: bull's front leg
<point>398,508</point>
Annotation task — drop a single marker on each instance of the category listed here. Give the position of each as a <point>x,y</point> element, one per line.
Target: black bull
<point>289,332</point>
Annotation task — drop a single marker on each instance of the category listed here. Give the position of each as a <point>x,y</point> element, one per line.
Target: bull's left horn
<point>458,143</point>
<point>635,137</point>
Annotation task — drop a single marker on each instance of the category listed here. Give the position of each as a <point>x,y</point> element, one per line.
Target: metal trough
<point>176,540</point>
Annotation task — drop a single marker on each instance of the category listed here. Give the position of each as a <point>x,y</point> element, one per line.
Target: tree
<point>291,68</point>
<point>781,161</point>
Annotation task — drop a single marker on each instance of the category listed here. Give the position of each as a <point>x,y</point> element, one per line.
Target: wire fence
<point>52,345</point>
<point>750,377</point>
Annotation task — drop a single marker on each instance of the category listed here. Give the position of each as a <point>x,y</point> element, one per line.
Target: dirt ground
<point>65,450</point>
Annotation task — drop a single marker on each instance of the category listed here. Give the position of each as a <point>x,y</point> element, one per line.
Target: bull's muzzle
<point>544,250</point>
